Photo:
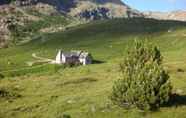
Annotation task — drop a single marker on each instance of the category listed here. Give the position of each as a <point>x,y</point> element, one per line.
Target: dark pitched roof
<point>79,54</point>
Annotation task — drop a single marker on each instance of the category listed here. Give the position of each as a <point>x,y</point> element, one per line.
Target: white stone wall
<point>58,57</point>
<point>63,59</point>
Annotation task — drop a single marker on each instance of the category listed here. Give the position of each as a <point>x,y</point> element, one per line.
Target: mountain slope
<point>28,12</point>
<point>82,92</point>
<point>21,23</point>
<point>88,9</point>
<point>175,15</point>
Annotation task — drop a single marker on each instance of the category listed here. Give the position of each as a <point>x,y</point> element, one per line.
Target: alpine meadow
<point>113,61</point>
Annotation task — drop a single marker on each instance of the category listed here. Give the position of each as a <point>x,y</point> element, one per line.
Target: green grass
<point>82,92</point>
<point>43,68</point>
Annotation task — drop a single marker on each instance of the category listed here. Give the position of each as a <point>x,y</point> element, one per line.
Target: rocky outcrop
<point>4,22</point>
<point>4,33</point>
<point>10,16</point>
<point>94,14</point>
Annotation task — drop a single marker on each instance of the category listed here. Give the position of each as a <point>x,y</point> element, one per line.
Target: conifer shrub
<point>144,83</point>
<point>1,76</point>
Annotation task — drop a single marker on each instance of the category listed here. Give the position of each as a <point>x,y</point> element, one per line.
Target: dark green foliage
<point>66,116</point>
<point>180,70</point>
<point>1,76</point>
<point>8,94</point>
<point>144,83</point>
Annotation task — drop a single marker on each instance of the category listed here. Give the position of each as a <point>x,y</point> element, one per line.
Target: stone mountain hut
<point>73,57</point>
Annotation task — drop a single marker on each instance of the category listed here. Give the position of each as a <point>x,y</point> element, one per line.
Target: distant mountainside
<point>88,9</point>
<point>175,15</point>
<point>20,13</point>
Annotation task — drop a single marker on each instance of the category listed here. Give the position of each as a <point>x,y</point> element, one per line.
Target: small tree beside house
<point>144,83</point>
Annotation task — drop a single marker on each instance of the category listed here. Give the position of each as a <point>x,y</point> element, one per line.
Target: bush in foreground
<point>1,76</point>
<point>144,83</point>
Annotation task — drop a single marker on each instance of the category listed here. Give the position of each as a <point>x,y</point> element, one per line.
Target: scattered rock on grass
<point>70,101</point>
<point>179,91</point>
<point>93,109</point>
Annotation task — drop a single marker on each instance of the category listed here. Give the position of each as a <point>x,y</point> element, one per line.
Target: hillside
<point>175,15</point>
<point>82,92</point>
<point>17,16</point>
<point>33,88</point>
<point>88,9</point>
<point>19,24</point>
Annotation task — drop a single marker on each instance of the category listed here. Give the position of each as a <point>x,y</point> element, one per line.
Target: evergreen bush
<point>1,76</point>
<point>144,83</point>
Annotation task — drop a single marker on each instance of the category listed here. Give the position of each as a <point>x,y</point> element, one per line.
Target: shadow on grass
<point>79,81</point>
<point>177,100</point>
<point>97,62</point>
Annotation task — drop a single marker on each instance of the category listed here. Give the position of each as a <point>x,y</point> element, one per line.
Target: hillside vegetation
<point>20,24</point>
<point>48,91</point>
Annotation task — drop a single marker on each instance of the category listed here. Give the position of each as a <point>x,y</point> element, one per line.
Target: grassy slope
<point>83,92</point>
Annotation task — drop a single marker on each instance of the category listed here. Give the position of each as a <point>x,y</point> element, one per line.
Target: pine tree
<point>144,83</point>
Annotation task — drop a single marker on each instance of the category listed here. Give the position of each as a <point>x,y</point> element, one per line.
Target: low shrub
<point>180,70</point>
<point>66,116</point>
<point>6,94</point>
<point>1,76</point>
